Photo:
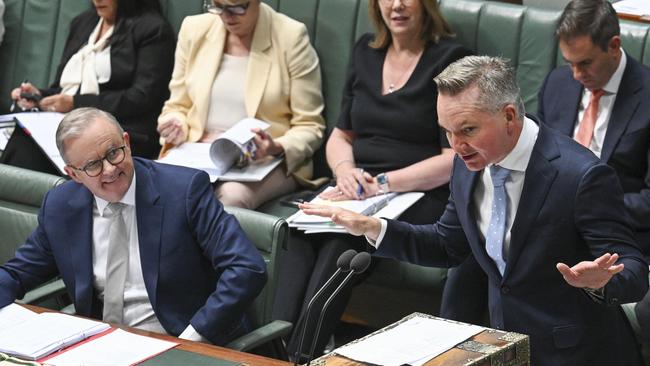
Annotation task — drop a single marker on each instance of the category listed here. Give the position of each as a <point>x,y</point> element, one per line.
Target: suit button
<point>613,301</point>
<point>505,289</point>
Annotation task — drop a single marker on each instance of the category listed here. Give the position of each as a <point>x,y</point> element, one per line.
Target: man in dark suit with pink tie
<point>601,99</point>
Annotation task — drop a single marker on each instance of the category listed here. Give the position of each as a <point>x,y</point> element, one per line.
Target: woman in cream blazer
<point>282,87</point>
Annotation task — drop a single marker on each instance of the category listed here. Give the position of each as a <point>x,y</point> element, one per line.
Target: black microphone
<point>359,264</point>
<point>343,264</point>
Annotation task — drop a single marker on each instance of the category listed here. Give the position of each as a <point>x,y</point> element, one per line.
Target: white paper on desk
<point>412,342</point>
<point>46,333</point>
<point>116,348</point>
<point>13,314</point>
<point>42,127</point>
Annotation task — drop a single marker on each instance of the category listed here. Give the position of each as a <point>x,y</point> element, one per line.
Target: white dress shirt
<point>517,161</point>
<point>605,106</point>
<point>138,312</point>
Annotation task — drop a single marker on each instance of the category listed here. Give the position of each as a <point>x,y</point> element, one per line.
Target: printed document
<point>115,348</point>
<point>41,126</point>
<point>228,158</point>
<point>390,205</point>
<point>42,334</point>
<point>412,342</point>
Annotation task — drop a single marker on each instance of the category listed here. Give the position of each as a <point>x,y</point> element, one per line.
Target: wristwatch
<point>382,181</point>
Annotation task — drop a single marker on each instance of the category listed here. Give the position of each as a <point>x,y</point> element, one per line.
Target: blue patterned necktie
<point>499,218</point>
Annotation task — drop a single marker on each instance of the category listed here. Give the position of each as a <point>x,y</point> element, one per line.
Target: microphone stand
<point>343,265</point>
<point>359,264</point>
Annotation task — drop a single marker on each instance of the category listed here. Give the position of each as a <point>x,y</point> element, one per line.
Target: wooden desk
<point>198,347</point>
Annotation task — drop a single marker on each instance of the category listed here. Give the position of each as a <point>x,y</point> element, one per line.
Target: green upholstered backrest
<point>35,33</point>
<point>270,235</point>
<point>21,194</point>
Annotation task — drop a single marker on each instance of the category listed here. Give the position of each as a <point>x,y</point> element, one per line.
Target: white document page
<point>192,155</point>
<point>42,127</point>
<point>117,348</point>
<point>392,210</point>
<point>13,314</point>
<point>197,155</point>
<point>413,342</point>
<point>241,132</point>
<point>633,7</point>
<point>46,333</point>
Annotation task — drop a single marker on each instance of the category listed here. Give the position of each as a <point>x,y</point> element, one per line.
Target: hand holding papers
<point>231,157</point>
<point>388,205</point>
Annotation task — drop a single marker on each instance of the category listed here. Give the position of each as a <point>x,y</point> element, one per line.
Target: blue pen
<point>359,190</point>
<point>360,187</point>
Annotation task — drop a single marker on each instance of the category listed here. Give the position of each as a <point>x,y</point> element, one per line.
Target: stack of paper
<point>413,342</point>
<point>28,335</point>
<point>34,335</point>
<point>114,349</point>
<point>388,205</point>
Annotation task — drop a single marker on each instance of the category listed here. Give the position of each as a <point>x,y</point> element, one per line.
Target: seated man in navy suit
<point>542,216</point>
<point>137,242</point>
<point>601,99</point>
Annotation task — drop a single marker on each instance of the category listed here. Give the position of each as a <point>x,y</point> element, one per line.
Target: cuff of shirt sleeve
<point>192,335</point>
<point>382,232</point>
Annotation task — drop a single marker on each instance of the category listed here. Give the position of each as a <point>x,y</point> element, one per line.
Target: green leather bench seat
<point>21,194</point>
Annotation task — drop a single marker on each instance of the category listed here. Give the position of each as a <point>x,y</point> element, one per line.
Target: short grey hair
<point>75,123</point>
<point>493,76</point>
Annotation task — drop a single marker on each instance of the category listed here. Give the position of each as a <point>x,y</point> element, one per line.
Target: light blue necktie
<point>499,218</point>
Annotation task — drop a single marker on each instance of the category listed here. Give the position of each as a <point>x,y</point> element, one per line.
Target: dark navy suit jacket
<point>198,265</point>
<point>627,141</point>
<point>571,210</point>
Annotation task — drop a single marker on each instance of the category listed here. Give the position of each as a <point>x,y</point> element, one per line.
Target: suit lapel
<point>625,106</point>
<point>208,60</point>
<point>259,63</point>
<point>568,108</point>
<point>80,236</point>
<point>149,217</point>
<point>540,175</point>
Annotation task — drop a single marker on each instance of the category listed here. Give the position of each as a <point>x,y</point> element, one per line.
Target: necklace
<point>394,83</point>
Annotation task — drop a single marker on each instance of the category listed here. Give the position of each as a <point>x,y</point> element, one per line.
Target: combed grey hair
<point>494,77</point>
<point>75,123</point>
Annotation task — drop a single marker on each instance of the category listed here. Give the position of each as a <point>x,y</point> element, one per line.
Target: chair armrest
<point>44,292</point>
<point>261,335</point>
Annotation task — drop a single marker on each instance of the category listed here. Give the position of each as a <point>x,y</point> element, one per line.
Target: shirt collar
<point>128,199</point>
<point>615,80</point>
<point>518,158</point>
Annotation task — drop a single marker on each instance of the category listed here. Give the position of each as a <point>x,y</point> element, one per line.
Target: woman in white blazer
<point>247,61</point>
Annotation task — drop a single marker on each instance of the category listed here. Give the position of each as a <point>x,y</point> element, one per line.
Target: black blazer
<point>142,59</point>
<point>627,140</point>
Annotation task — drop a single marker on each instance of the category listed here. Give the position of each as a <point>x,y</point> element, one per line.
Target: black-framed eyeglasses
<point>216,8</point>
<point>94,168</point>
